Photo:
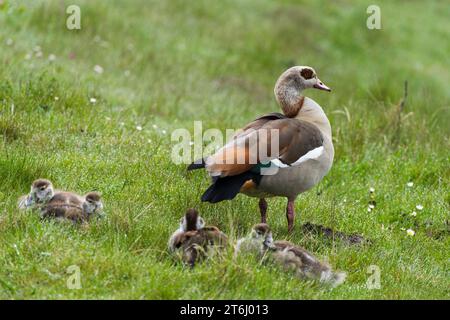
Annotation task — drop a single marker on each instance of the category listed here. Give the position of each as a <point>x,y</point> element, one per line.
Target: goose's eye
<point>42,188</point>
<point>307,73</point>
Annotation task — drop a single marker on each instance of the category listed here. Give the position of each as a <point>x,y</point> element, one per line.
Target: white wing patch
<point>278,163</point>
<point>313,154</point>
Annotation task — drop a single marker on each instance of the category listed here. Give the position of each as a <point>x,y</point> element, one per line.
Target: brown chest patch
<point>292,111</point>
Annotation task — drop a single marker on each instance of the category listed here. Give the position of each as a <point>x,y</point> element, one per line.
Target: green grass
<point>169,63</point>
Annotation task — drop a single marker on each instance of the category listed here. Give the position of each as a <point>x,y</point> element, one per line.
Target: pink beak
<point>321,86</point>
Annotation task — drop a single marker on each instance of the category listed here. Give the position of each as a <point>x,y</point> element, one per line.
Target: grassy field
<point>167,64</point>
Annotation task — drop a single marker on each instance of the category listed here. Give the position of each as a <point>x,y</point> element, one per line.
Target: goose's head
<point>42,190</point>
<point>300,78</point>
<point>93,203</point>
<point>292,82</point>
<point>261,233</point>
<point>191,221</point>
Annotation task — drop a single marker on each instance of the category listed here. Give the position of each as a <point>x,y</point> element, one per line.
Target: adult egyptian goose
<point>276,154</point>
<point>287,255</point>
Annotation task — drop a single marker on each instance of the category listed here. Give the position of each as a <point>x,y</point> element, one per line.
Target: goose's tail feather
<point>227,188</point>
<point>198,164</point>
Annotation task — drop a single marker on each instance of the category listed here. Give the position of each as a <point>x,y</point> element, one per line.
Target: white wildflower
<point>138,128</point>
<point>419,207</point>
<point>372,190</point>
<point>410,232</point>
<point>410,184</point>
<point>51,57</point>
<point>93,100</point>
<point>413,213</point>
<point>98,69</point>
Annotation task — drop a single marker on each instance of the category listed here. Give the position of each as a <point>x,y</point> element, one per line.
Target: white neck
<point>312,112</point>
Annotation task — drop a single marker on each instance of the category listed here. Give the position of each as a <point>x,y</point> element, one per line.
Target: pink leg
<point>290,214</point>
<point>263,209</point>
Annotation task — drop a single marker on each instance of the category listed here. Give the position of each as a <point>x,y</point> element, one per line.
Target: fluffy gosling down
<point>193,241</point>
<point>41,192</point>
<point>93,204</point>
<point>71,206</point>
<point>288,255</point>
<point>61,204</point>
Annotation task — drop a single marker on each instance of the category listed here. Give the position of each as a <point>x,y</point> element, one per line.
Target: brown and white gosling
<point>193,241</point>
<point>191,221</point>
<point>288,255</point>
<point>93,204</point>
<point>41,192</point>
<point>71,206</point>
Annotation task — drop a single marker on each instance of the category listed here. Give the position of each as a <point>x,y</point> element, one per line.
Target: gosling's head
<point>42,191</point>
<point>261,233</point>
<point>92,203</point>
<point>191,221</point>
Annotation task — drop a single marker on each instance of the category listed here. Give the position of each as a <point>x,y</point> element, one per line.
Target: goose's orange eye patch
<point>307,73</point>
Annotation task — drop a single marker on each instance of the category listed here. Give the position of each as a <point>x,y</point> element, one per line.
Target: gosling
<point>193,241</point>
<point>41,192</point>
<point>73,207</point>
<point>288,255</point>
